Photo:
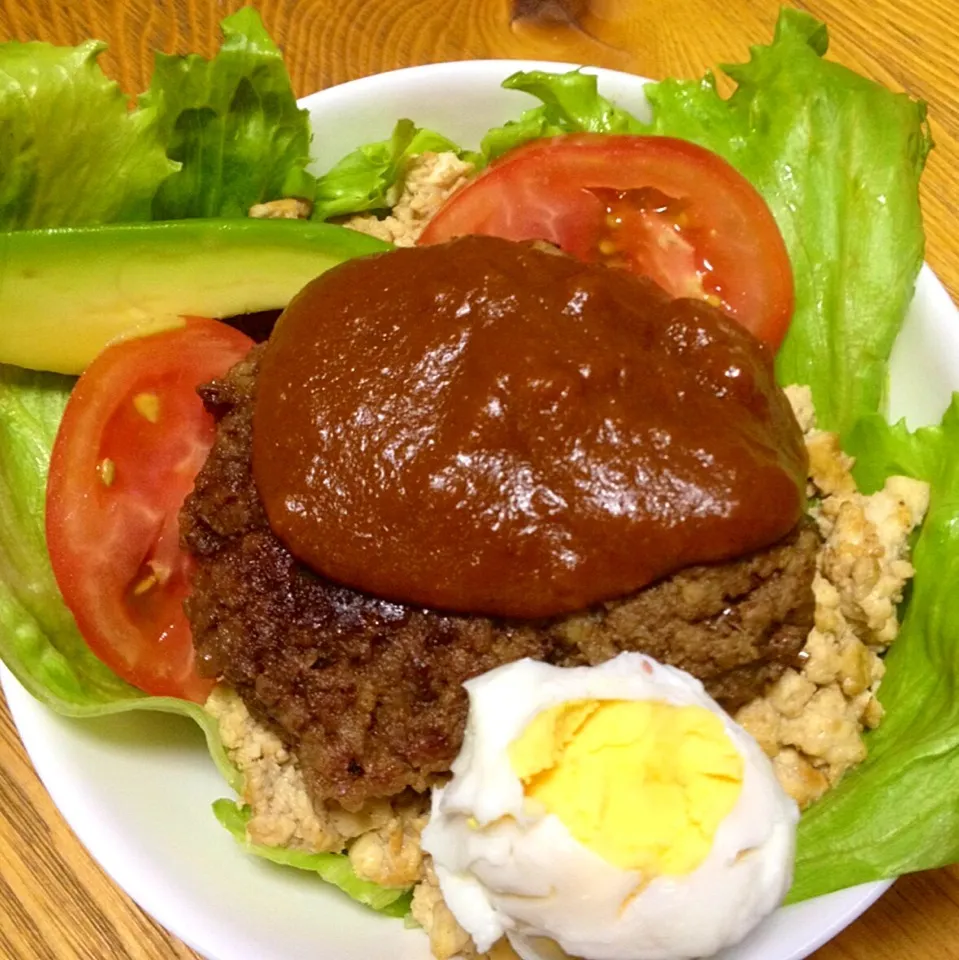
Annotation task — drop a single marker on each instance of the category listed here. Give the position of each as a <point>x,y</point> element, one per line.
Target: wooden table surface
<point>55,903</point>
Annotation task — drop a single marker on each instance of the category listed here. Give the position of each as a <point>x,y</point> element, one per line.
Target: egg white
<point>506,870</point>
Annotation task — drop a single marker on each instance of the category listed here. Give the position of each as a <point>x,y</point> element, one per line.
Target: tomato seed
<point>147,583</point>
<point>107,470</point>
<point>148,406</point>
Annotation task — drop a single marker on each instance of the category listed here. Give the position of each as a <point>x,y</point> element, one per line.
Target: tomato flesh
<point>657,206</point>
<point>133,437</point>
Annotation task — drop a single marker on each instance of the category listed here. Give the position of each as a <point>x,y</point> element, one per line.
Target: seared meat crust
<point>369,693</point>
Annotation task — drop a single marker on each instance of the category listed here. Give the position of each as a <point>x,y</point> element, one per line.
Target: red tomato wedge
<point>661,207</point>
<point>133,436</point>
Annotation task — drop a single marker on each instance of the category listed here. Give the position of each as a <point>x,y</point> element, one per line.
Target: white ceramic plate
<point>137,788</point>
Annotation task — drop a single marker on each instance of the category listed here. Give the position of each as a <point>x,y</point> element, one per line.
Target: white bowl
<point>137,788</point>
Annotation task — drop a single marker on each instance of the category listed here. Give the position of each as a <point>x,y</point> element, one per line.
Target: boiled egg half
<point>613,812</point>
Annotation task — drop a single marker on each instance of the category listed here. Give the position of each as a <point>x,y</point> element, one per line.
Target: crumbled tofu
<point>282,813</point>
<point>792,694</point>
<point>810,722</point>
<point>798,777</point>
<point>800,399</point>
<point>761,720</point>
<point>827,731</point>
<point>289,208</point>
<point>430,179</point>
<point>391,855</point>
<point>448,940</point>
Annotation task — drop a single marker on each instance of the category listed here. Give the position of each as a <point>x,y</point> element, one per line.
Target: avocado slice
<point>66,293</point>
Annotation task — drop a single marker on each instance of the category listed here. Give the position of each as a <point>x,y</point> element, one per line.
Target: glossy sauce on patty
<point>486,427</point>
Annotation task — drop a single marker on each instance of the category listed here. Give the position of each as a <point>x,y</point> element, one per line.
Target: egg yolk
<point>644,784</point>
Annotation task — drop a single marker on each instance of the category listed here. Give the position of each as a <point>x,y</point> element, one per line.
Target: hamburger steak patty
<point>368,692</point>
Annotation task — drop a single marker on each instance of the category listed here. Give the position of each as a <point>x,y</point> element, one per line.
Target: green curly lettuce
<point>371,176</point>
<point>39,640</point>
<point>838,159</point>
<point>71,151</point>
<point>231,124</point>
<point>571,103</point>
<point>208,139</point>
<point>897,811</point>
<point>41,645</point>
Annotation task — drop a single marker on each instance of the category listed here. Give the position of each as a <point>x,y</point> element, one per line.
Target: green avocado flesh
<point>67,293</point>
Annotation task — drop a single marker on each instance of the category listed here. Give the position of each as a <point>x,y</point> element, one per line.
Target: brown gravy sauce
<point>484,427</point>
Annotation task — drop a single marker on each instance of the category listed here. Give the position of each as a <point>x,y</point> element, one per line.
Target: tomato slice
<point>657,206</point>
<point>133,436</point>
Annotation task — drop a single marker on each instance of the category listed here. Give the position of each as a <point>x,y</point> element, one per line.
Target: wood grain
<point>55,903</point>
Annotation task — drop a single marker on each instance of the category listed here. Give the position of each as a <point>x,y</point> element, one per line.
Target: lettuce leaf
<point>571,104</point>
<point>40,643</point>
<point>897,812</point>
<point>334,868</point>
<point>836,156</point>
<point>231,124</point>
<point>208,139</point>
<point>39,640</point>
<point>885,450</point>
<point>72,152</point>
<point>838,159</point>
<point>370,177</point>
